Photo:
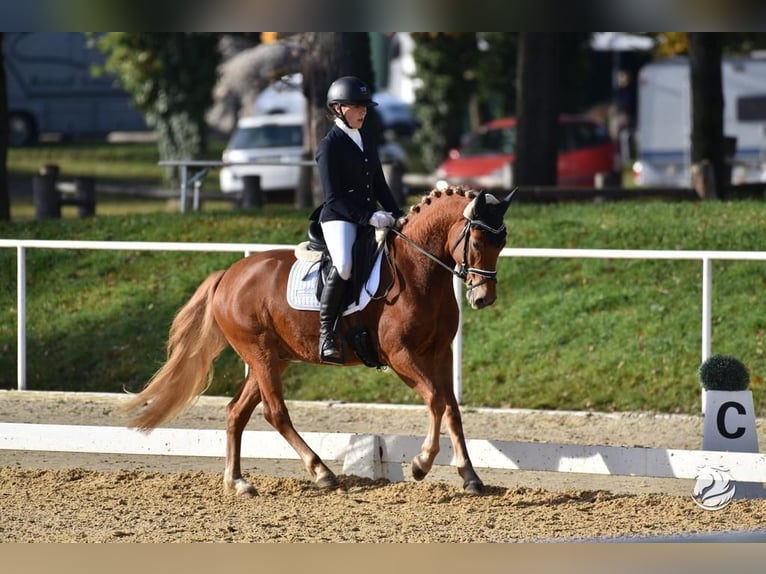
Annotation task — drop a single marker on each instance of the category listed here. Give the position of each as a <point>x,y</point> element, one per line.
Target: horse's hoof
<point>327,482</point>
<point>241,487</point>
<point>473,487</point>
<point>417,472</point>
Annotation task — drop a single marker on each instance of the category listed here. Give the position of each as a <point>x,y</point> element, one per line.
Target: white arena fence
<point>705,257</point>
<point>372,455</point>
<point>386,456</point>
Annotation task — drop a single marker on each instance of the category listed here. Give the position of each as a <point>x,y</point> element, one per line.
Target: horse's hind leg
<point>238,413</point>
<point>268,372</point>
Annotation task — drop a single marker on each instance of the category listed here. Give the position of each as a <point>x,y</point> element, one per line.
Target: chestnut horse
<point>451,231</point>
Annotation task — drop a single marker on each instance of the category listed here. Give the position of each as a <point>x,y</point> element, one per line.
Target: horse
<point>453,231</point>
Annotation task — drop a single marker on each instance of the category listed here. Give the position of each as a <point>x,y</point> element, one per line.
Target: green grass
<point>134,160</point>
<point>130,160</point>
<point>574,334</point>
<point>23,209</point>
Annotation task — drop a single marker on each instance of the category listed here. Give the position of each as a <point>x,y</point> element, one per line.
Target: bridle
<point>464,270</point>
<point>464,236</point>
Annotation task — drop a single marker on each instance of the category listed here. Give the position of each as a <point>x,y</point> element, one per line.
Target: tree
<point>326,57</point>
<point>706,85</point>
<point>537,109</point>
<point>5,200</point>
<point>446,65</point>
<point>171,78</point>
<point>470,78</point>
<point>496,75</point>
<point>249,66</point>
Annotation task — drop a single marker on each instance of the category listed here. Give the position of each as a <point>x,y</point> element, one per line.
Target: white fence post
<point>184,184</point>
<point>707,306</point>
<point>21,318</point>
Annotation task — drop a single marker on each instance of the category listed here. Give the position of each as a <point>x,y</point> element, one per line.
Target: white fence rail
<point>22,245</point>
<point>705,257</point>
<point>383,456</point>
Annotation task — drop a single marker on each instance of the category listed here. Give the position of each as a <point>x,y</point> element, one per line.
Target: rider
<point>353,184</point>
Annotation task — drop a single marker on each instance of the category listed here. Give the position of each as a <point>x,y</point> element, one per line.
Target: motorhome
<point>51,89</point>
<point>663,131</point>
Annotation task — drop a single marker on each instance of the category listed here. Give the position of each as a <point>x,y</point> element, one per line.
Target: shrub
<point>723,373</point>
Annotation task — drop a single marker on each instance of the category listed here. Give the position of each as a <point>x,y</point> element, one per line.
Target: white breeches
<point>339,237</point>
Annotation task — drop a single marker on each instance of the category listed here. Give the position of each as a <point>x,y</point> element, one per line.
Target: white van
<point>663,131</point>
<point>51,89</point>
<point>277,141</point>
<point>285,96</point>
<point>272,138</point>
<point>274,135</point>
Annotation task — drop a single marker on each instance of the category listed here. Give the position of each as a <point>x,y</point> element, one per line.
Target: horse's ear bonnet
<point>489,211</point>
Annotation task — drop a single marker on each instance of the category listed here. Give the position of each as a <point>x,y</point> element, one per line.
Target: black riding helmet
<point>349,91</point>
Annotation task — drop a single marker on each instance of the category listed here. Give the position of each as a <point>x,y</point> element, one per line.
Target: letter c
<point>721,420</point>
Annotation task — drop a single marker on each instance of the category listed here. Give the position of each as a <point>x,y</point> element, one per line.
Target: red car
<point>486,157</point>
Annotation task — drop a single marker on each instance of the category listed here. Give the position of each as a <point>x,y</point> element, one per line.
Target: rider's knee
<point>344,270</point>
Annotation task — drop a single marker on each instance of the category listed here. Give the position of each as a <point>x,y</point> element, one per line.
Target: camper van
<point>51,89</point>
<point>663,130</point>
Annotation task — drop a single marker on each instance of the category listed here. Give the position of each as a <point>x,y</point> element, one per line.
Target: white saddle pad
<point>302,286</point>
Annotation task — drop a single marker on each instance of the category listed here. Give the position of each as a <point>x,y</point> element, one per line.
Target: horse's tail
<point>195,340</point>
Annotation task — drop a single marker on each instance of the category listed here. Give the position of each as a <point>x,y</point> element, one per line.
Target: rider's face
<point>355,115</point>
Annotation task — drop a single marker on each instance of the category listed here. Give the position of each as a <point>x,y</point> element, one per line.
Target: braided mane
<point>434,194</point>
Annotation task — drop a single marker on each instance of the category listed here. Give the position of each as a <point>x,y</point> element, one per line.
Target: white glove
<point>382,219</point>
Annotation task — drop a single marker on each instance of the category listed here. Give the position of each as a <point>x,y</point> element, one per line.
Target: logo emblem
<point>714,488</point>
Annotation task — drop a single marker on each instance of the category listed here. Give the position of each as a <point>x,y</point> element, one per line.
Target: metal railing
<point>705,257</point>
<point>192,172</point>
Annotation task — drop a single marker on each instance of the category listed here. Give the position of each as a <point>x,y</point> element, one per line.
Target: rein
<point>464,270</point>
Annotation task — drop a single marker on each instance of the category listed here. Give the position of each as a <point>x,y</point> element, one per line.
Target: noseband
<point>464,236</point>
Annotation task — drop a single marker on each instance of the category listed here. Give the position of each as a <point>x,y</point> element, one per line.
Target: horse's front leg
<point>472,484</point>
<point>433,382</point>
<point>423,378</point>
<point>422,462</point>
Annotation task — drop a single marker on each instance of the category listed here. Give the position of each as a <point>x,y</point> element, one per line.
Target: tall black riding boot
<point>329,311</point>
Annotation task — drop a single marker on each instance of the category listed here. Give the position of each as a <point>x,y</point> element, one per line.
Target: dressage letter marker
<point>729,422</point>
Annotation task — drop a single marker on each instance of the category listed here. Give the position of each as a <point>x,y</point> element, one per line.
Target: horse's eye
<point>476,245</point>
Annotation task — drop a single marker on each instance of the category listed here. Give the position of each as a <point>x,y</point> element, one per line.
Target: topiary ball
<point>723,373</point>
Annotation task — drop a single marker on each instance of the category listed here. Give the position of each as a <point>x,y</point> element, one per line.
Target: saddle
<point>364,252</point>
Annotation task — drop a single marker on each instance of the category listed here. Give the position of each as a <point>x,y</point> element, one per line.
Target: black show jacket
<point>352,180</point>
